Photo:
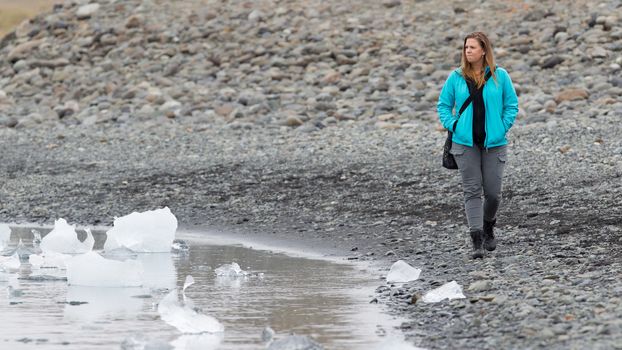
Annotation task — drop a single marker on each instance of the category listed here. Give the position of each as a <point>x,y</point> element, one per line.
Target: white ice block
<point>402,272</point>
<point>204,341</point>
<point>451,290</point>
<point>146,232</point>
<point>186,319</point>
<point>64,239</point>
<point>91,269</point>
<point>230,270</point>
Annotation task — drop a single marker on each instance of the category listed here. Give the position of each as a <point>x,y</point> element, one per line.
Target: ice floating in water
<point>230,270</point>
<point>451,290</point>
<point>10,262</point>
<point>401,272</point>
<point>64,239</point>
<point>185,318</point>
<point>91,269</point>
<point>147,232</point>
<point>5,235</point>
<point>49,260</point>
<point>188,282</point>
<point>180,246</point>
<point>205,341</point>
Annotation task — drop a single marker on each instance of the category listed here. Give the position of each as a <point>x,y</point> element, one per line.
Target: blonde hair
<point>489,59</point>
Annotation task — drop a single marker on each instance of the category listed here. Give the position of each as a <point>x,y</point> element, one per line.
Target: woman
<point>479,143</point>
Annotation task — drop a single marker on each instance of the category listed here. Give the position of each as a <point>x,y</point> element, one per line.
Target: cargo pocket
<point>457,149</point>
<point>503,157</point>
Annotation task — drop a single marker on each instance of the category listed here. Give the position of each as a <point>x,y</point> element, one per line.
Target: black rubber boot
<point>490,242</point>
<point>477,237</point>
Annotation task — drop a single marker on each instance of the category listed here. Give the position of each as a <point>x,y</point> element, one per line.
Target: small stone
<point>293,121</point>
<point>385,117</point>
<point>391,3</point>
<point>480,286</point>
<point>385,125</point>
<point>488,298</point>
<point>23,50</point>
<point>500,299</point>
<point>134,21</point>
<point>87,11</point>
<point>8,122</point>
<point>551,62</point>
<point>571,95</point>
<point>550,106</point>
<point>598,52</point>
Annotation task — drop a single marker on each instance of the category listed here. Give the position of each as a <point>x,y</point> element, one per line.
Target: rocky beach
<point>314,122</point>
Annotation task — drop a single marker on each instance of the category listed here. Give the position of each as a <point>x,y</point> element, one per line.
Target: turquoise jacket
<point>500,102</point>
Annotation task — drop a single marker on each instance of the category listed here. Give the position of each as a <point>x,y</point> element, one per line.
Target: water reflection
<point>99,303</point>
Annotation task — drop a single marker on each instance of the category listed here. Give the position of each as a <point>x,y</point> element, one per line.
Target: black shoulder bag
<point>449,161</point>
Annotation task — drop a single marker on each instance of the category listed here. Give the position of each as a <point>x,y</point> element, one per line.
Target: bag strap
<point>467,101</point>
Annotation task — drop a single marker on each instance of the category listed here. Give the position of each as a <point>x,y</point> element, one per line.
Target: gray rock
<point>86,11</point>
<point>480,286</point>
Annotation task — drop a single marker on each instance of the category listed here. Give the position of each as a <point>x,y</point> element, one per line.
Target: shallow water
<point>319,298</point>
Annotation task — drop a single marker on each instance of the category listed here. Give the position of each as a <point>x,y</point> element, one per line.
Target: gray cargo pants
<point>481,169</point>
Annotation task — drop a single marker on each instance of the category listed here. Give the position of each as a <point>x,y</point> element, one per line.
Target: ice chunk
<point>188,282</point>
<point>10,262</point>
<point>401,272</point>
<point>48,260</point>
<point>91,269</point>
<point>147,232</point>
<point>205,341</point>
<point>185,318</point>
<point>64,239</point>
<point>451,290</point>
<point>230,270</point>
<point>5,235</point>
<point>180,246</point>
<point>267,334</point>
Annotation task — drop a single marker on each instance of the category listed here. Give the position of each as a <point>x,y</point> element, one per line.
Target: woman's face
<point>473,51</point>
